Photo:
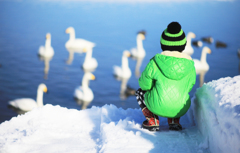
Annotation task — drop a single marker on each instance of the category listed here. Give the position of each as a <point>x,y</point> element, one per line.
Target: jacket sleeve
<point>146,80</point>
<point>192,79</point>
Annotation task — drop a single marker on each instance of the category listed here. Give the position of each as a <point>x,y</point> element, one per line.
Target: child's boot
<point>152,122</point>
<point>174,124</point>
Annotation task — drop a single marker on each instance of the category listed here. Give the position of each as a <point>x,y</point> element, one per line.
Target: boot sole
<point>175,127</point>
<point>151,128</point>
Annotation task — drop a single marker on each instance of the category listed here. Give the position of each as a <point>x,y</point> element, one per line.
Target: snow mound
<point>104,129</point>
<point>216,110</point>
<point>58,129</point>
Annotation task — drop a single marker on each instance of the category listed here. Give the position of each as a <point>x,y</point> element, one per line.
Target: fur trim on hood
<point>176,54</point>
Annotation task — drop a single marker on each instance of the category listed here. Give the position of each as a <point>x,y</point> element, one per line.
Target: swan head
<point>48,36</point>
<point>42,87</point>
<point>141,35</point>
<point>126,53</point>
<point>69,30</point>
<point>207,50</point>
<point>191,35</point>
<point>211,39</point>
<point>199,43</point>
<point>90,76</point>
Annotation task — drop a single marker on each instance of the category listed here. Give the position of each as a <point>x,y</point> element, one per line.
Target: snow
<point>216,108</point>
<point>211,125</point>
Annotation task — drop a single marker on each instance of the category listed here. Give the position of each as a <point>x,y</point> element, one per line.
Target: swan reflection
<point>125,90</point>
<point>71,52</point>
<point>18,111</point>
<point>201,74</point>
<point>46,65</point>
<point>82,103</point>
<point>138,65</point>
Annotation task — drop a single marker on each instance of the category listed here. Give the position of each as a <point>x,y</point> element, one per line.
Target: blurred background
<point>113,27</point>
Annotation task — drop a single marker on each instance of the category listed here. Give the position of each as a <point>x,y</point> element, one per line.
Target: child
<point>166,81</point>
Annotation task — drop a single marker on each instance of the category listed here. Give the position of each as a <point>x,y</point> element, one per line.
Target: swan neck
<point>139,44</point>
<point>124,63</point>
<point>39,98</point>
<point>70,57</point>
<point>47,43</point>
<point>88,54</point>
<point>204,57</point>
<point>189,41</point>
<point>85,82</point>
<point>72,35</point>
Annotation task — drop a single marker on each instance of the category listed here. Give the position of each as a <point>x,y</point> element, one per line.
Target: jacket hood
<point>173,64</point>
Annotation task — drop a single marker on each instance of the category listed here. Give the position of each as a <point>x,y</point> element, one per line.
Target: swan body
<point>27,104</point>
<point>220,44</point>
<point>89,63</point>
<point>123,71</point>
<point>83,92</point>
<point>202,65</point>
<point>139,51</point>
<point>47,50</point>
<point>188,49</point>
<point>77,43</point>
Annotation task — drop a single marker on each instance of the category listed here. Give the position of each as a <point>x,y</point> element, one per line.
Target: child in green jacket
<point>166,81</point>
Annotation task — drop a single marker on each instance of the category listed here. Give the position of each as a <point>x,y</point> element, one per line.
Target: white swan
<point>208,40</point>
<point>89,63</point>
<point>139,51</point>
<point>202,64</point>
<point>47,50</point>
<point>123,71</point>
<point>77,43</point>
<point>83,92</point>
<point>188,49</point>
<point>197,43</point>
<point>27,104</point>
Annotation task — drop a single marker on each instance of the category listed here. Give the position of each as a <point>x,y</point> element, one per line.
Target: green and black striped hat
<point>173,38</point>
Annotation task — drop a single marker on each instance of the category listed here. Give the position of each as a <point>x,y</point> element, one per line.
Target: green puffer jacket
<point>168,78</point>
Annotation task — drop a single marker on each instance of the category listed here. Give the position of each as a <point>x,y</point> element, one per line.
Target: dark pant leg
<point>140,97</point>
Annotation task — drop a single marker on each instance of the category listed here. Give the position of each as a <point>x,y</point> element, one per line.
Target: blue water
<point>113,27</point>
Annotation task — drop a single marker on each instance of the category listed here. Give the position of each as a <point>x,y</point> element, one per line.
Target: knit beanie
<point>173,38</point>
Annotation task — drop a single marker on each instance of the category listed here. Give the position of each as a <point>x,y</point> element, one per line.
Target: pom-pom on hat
<point>173,38</point>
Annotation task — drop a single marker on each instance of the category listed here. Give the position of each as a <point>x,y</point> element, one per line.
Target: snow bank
<point>57,129</point>
<point>104,129</point>
<point>216,109</point>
